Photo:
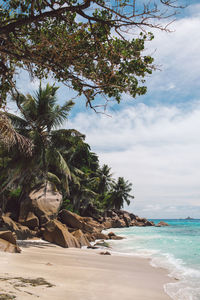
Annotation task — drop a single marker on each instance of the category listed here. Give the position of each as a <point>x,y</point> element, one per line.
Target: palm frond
<point>16,171</point>
<point>53,179</point>
<point>65,184</point>
<point>56,159</point>
<point>10,137</point>
<point>78,171</point>
<point>16,121</point>
<point>75,180</point>
<point>59,113</point>
<point>63,165</point>
<point>89,193</point>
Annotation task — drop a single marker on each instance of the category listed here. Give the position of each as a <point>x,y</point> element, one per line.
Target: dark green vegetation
<point>21,282</point>
<point>6,296</point>
<point>18,282</point>
<point>83,44</point>
<point>59,156</point>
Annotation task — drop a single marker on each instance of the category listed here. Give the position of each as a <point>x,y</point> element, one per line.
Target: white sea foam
<point>188,280</point>
<point>142,253</point>
<point>182,290</point>
<point>187,286</point>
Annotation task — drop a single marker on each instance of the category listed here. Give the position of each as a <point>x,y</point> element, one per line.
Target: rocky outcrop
<point>161,224</point>
<point>21,232</point>
<point>41,205</point>
<point>94,224</point>
<point>8,236</point>
<point>118,219</point>
<point>30,221</point>
<point>8,242</point>
<point>38,216</point>
<point>86,224</point>
<point>71,220</point>
<point>57,233</point>
<point>99,236</point>
<point>81,238</point>
<point>118,223</point>
<point>141,222</point>
<point>6,246</point>
<point>113,236</point>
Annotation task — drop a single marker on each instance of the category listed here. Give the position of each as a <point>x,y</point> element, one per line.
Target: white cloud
<point>156,148</point>
<point>177,54</point>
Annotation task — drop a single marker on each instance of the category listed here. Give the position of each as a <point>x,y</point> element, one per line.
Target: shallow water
<point>176,248</point>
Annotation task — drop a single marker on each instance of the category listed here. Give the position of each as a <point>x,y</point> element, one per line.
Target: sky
<point>153,141</point>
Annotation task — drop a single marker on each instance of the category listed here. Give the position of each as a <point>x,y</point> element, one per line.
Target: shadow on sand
<point>34,243</point>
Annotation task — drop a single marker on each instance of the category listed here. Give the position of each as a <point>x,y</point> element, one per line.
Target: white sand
<point>80,275</point>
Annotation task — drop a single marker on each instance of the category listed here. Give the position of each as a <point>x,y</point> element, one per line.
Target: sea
<point>175,248</point>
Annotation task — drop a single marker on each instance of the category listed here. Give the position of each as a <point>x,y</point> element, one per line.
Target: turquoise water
<point>176,248</point>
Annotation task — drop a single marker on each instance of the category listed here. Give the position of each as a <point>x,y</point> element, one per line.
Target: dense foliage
<point>83,44</point>
<point>59,156</point>
<point>86,46</point>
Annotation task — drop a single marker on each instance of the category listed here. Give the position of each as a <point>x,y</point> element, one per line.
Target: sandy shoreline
<point>79,274</point>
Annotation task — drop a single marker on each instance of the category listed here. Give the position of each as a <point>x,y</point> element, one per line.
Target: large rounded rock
<point>57,233</point>
<point>44,201</point>
<point>8,242</point>
<point>73,220</point>
<point>6,246</point>
<point>70,219</point>
<point>8,236</point>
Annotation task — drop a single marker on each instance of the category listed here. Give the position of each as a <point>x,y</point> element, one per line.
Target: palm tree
<point>120,193</point>
<point>41,112</point>
<point>82,164</point>
<point>39,116</point>
<point>102,179</point>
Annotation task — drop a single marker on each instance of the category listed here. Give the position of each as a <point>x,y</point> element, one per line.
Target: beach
<point>46,271</point>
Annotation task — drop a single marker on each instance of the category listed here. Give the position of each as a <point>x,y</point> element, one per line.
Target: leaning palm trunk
<point>9,136</point>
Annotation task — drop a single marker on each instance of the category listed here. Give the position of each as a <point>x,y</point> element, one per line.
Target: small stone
<point>105,253</point>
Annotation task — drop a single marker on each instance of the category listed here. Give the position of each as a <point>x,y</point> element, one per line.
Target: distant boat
<point>189,218</point>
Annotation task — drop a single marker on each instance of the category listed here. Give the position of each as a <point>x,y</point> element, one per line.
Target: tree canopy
<point>59,156</point>
<point>39,116</point>
<point>81,43</point>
